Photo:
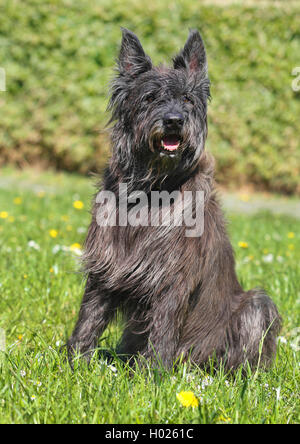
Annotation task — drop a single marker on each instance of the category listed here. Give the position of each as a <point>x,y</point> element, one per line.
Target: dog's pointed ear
<point>193,55</point>
<point>132,58</point>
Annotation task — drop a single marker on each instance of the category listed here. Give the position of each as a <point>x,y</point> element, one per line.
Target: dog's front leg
<point>165,329</point>
<point>96,311</point>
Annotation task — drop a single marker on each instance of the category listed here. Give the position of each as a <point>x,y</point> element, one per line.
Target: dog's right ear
<point>132,58</point>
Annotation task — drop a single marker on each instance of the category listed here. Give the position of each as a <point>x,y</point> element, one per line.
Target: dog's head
<point>160,112</point>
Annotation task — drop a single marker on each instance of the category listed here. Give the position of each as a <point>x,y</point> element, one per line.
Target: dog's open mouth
<point>170,143</point>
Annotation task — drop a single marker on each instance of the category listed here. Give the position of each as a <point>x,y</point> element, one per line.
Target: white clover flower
<point>56,249</point>
<point>54,269</point>
<point>205,382</point>
<point>282,340</point>
<point>268,258</point>
<point>34,245</point>
<point>112,368</point>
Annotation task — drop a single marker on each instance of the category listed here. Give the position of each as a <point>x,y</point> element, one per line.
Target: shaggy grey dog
<point>179,295</point>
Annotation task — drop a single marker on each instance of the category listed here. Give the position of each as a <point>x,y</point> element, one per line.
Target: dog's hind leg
<point>247,335</point>
<point>252,331</point>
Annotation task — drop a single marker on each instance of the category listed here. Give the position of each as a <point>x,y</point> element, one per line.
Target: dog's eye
<point>187,99</point>
<point>150,98</point>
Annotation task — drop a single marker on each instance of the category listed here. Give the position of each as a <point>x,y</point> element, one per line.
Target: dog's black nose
<point>173,120</point>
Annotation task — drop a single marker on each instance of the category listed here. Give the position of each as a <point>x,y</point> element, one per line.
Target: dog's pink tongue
<point>170,143</point>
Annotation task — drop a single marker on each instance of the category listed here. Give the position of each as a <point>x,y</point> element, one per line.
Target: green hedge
<point>58,57</point>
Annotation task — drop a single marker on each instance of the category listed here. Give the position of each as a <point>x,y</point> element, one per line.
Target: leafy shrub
<point>59,55</point>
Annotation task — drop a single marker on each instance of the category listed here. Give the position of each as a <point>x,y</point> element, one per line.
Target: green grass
<point>40,296</point>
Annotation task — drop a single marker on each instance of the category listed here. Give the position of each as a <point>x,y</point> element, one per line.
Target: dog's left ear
<point>193,55</point>
<point>132,58</point>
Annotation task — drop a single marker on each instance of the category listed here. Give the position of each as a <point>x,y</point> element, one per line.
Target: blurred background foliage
<point>59,57</point>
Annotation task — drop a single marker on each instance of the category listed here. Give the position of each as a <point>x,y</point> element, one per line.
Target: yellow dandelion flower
<point>291,235</point>
<point>224,418</point>
<point>20,337</point>
<point>51,270</point>
<point>78,204</point>
<point>17,201</point>
<point>265,251</point>
<point>11,219</point>
<point>3,214</point>
<point>291,247</point>
<point>53,233</point>
<point>75,246</point>
<point>242,244</point>
<point>187,399</point>
<point>25,276</point>
<point>65,218</point>
<point>69,227</point>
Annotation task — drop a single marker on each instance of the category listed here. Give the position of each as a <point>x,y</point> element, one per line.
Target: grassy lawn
<point>41,231</point>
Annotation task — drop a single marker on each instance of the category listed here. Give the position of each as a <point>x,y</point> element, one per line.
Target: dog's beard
<point>166,158</point>
<point>171,143</point>
<point>174,149</point>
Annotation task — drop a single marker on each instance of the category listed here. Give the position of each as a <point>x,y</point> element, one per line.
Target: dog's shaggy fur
<point>180,295</point>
